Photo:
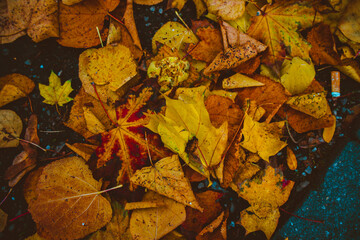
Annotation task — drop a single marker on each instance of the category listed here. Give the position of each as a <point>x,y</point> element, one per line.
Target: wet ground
<point>316,163</point>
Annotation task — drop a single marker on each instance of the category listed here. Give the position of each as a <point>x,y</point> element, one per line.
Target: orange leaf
<point>291,159</point>
<point>129,22</point>
<point>60,210</point>
<point>328,132</point>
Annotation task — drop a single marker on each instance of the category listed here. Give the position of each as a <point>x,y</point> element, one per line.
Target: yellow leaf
<point>262,138</point>
<point>82,149</point>
<point>328,132</point>
<point>167,178</point>
<point>313,104</point>
<point>200,8</point>
<point>55,93</point>
<point>13,87</point>
<point>240,81</point>
<point>153,223</point>
<point>227,10</point>
<point>350,68</point>
<point>187,124</point>
<point>112,66</point>
<point>251,222</point>
<point>3,220</point>
<point>349,23</point>
<point>291,159</point>
<point>173,35</point>
<point>296,75</point>
<point>10,128</point>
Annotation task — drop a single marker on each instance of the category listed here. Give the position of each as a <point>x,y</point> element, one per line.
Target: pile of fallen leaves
<point>215,101</point>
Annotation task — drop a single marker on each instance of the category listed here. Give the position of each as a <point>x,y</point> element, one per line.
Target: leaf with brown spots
<point>216,229</point>
<point>167,178</point>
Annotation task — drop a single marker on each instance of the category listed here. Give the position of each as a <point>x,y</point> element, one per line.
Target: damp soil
<point>37,60</point>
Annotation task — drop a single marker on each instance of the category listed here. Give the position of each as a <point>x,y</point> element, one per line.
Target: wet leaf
<point>167,178</point>
<point>55,93</point>
<point>13,87</point>
<point>112,66</point>
<point>61,210</point>
<point>173,35</point>
<point>276,29</point>
<point>26,160</point>
<point>187,122</point>
<point>313,104</point>
<point>262,138</point>
<point>226,10</point>
<point>153,223</point>
<point>296,75</point>
<point>10,128</point>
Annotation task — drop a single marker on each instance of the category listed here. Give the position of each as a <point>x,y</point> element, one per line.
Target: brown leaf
<point>15,17</point>
<point>270,97</point>
<point>44,21</point>
<point>78,24</point>
<point>167,178</point>
<point>196,220</point>
<point>153,223</point>
<point>82,149</point>
<point>215,230</point>
<point>129,22</point>
<point>60,209</point>
<point>323,49</point>
<point>248,67</point>
<point>13,87</point>
<point>232,57</point>
<point>209,47</point>
<point>26,160</point>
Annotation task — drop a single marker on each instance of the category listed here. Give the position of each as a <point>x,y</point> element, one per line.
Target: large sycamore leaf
<point>188,120</point>
<point>10,128</point>
<point>126,143</point>
<point>57,208</point>
<point>167,178</point>
<point>262,138</point>
<point>278,25</point>
<point>13,87</point>
<point>153,223</point>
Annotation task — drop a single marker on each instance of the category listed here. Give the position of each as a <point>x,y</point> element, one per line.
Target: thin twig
<point>98,32</point>
<point>23,140</point>
<point>7,195</point>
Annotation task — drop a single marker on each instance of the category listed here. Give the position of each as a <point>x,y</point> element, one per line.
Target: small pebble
<point>161,10</point>
<point>28,62</point>
<point>152,8</point>
<point>41,66</point>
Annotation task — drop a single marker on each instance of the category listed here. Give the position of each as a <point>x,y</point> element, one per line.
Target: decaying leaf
<point>60,208</point>
<point>196,220</point>
<point>173,35</point>
<point>271,96</point>
<point>349,23</point>
<point>232,57</point>
<point>209,46</point>
<point>44,21</point>
<point>26,160</point>
<point>227,10</point>
<point>55,93</point>
<point>10,128</point>
<point>262,138</point>
<point>323,49</point>
<point>167,178</point>
<point>296,75</point>
<point>291,159</point>
<point>240,81</point>
<point>251,222</point>
<point>275,28</point>
<point>153,223</point>
<point>313,104</point>
<point>112,66</point>
<point>118,227</point>
<point>13,87</point>
<point>186,125</point>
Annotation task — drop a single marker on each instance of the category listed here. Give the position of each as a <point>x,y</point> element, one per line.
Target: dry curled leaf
<point>26,160</point>
<point>10,128</point>
<point>167,178</point>
<point>153,223</point>
<point>60,208</point>
<point>13,87</point>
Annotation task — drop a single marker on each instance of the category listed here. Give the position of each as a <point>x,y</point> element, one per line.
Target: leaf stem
<point>34,144</point>
<point>98,32</point>
<point>7,195</point>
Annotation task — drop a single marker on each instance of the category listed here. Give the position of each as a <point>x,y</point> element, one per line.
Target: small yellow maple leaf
<point>55,93</point>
